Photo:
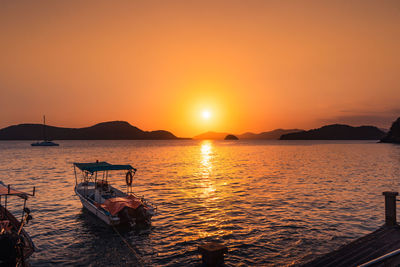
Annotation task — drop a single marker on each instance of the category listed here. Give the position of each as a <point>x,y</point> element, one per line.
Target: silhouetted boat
<point>45,142</point>
<point>109,204</point>
<point>16,246</point>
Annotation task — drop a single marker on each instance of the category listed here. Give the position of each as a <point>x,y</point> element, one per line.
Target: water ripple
<point>272,202</point>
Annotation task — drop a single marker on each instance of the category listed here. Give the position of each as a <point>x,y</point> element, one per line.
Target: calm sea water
<point>270,202</point>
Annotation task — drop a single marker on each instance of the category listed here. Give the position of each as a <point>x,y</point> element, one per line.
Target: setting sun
<point>206,114</point>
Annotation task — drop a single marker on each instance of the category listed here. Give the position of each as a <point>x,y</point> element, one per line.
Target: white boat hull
<point>108,219</point>
<point>45,143</point>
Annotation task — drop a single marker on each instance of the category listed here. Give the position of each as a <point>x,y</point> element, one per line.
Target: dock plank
<point>376,244</point>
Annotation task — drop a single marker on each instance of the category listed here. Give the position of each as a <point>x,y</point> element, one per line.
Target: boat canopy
<point>102,166</point>
<point>8,191</point>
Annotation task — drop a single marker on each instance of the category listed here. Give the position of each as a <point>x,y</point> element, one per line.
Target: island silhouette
<point>393,136</point>
<point>122,130</point>
<point>274,134</point>
<point>113,130</point>
<point>337,132</point>
<point>231,137</point>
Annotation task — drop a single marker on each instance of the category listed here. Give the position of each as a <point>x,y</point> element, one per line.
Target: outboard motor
<point>134,216</point>
<point>126,216</point>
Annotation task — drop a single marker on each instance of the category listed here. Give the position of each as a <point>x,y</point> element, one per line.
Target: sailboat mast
<point>44,128</point>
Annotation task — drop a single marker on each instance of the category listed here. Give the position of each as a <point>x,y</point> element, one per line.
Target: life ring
<point>129,178</point>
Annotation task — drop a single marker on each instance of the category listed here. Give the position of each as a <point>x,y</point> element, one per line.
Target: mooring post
<point>390,208</point>
<point>213,253</point>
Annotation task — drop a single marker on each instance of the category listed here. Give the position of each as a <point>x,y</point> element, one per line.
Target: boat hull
<point>113,206</point>
<point>27,244</point>
<point>45,143</point>
<point>110,220</point>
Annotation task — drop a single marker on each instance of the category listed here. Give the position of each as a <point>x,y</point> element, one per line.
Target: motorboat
<point>45,141</point>
<point>16,246</point>
<point>109,204</point>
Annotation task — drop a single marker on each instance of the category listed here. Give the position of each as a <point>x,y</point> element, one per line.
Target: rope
<point>140,259</point>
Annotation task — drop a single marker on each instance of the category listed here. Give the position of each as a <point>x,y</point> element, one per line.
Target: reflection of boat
<point>45,142</point>
<point>15,244</point>
<point>108,203</point>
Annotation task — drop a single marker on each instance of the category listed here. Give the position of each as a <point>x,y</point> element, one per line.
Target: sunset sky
<point>194,66</point>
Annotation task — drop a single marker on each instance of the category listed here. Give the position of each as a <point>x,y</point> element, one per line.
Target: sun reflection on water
<point>206,154</point>
<point>207,185</point>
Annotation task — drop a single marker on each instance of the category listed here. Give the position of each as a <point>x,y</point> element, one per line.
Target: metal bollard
<point>213,253</point>
<point>390,208</point>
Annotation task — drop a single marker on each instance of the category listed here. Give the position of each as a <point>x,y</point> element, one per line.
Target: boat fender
<point>129,178</point>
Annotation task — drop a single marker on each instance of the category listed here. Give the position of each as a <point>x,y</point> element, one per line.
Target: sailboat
<point>45,142</point>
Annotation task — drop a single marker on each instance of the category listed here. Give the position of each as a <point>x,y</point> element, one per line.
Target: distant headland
<point>393,136</point>
<point>113,130</point>
<point>337,132</point>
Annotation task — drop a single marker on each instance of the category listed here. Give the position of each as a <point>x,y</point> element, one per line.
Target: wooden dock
<point>375,249</point>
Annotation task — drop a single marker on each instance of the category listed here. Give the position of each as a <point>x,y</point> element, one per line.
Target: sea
<point>272,203</point>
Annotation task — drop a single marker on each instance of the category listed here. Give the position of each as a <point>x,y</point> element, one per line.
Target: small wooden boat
<point>16,246</point>
<point>45,142</point>
<point>108,203</point>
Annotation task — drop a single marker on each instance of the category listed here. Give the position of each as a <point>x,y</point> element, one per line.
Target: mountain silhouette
<point>113,130</point>
<point>393,136</point>
<point>275,134</point>
<point>211,136</point>
<point>337,132</point>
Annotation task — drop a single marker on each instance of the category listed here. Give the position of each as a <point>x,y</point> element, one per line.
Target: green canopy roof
<point>102,166</point>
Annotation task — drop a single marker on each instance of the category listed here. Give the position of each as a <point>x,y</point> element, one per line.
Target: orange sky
<point>255,65</point>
